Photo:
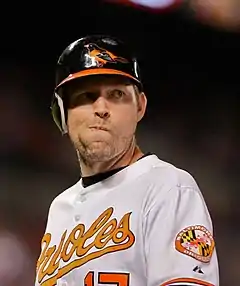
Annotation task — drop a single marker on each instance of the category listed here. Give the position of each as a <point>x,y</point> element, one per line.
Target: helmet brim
<point>96,71</point>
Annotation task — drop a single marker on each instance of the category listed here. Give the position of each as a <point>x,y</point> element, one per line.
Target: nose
<point>101,108</point>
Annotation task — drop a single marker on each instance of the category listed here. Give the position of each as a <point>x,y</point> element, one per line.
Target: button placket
<point>81,198</point>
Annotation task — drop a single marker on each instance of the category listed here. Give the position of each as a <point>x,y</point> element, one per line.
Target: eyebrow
<point>90,89</point>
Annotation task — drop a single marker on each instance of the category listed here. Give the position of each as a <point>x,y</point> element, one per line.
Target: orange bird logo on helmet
<point>101,56</point>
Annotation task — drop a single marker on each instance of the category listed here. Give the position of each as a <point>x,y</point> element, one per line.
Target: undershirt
<point>90,180</point>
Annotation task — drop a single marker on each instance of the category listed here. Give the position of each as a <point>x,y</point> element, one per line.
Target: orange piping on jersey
<point>187,280</point>
<point>77,245</point>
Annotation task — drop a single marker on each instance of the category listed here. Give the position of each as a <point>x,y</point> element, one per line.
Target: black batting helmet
<point>88,56</point>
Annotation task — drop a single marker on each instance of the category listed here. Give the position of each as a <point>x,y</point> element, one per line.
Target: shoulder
<point>165,181</point>
<point>65,199</point>
<point>176,190</point>
<point>169,175</point>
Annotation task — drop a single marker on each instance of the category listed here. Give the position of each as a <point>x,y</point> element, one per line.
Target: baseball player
<point>131,219</point>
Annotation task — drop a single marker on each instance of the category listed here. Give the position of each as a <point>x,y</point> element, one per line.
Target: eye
<point>81,99</point>
<point>117,94</point>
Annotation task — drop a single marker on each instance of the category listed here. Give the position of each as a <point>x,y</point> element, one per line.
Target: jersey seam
<point>184,188</point>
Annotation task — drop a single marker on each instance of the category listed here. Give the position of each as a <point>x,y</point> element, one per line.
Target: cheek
<point>75,121</point>
<point>127,121</point>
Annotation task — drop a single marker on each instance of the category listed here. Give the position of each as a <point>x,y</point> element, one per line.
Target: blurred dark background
<point>189,56</point>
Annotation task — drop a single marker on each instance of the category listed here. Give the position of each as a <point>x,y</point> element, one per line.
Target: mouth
<point>98,128</point>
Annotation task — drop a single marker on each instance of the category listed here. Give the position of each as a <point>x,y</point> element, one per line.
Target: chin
<point>100,149</point>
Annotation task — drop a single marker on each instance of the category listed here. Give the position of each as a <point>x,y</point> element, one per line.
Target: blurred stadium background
<point>189,55</point>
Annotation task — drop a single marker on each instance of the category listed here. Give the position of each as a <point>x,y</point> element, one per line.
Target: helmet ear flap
<point>59,113</point>
<point>56,113</point>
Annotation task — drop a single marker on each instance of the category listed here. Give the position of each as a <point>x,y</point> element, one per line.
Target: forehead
<point>97,82</point>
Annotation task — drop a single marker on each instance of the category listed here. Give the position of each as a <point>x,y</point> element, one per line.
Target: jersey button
<point>81,198</point>
<point>77,217</point>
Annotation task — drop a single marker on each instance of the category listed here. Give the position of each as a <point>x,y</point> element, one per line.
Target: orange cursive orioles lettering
<point>103,229</point>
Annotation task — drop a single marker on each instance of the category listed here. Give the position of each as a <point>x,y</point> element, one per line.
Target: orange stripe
<point>97,71</point>
<point>182,280</point>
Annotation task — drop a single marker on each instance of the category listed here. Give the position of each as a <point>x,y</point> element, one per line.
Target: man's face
<point>103,113</point>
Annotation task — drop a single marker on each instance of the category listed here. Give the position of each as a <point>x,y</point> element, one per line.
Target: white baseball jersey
<point>147,225</point>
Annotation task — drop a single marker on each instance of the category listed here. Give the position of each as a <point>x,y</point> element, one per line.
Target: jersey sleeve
<point>179,244</point>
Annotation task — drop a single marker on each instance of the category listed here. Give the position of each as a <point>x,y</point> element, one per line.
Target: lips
<point>98,128</point>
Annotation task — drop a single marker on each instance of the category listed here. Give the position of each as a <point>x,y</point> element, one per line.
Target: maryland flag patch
<point>195,241</point>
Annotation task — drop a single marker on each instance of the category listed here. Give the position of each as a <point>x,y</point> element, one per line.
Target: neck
<point>127,158</point>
